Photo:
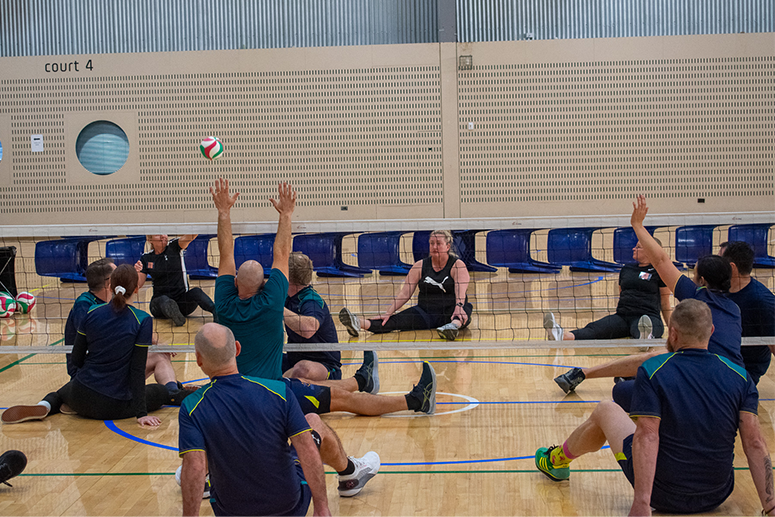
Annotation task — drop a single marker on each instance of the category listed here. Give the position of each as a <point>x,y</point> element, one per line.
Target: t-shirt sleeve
<point>190,438</point>
<point>685,288</point>
<point>751,400</point>
<point>225,291</point>
<point>145,334</point>
<point>645,401</point>
<point>295,421</point>
<point>768,314</point>
<point>275,291</point>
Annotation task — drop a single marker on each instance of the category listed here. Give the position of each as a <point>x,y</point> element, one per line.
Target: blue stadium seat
<point>66,259</point>
<point>511,249</point>
<point>624,240</point>
<point>693,242</point>
<point>197,264</point>
<point>757,236</point>
<point>125,251</point>
<point>463,246</point>
<point>255,247</point>
<point>573,247</point>
<point>382,251</point>
<point>325,251</point>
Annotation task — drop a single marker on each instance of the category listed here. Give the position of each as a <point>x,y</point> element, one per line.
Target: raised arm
<point>285,204</point>
<point>184,241</point>
<point>312,465</point>
<point>223,202</point>
<point>645,446</point>
<point>759,462</point>
<point>667,308</point>
<point>461,277</point>
<point>657,256</point>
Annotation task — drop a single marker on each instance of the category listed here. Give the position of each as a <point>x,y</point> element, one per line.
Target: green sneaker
<point>544,464</point>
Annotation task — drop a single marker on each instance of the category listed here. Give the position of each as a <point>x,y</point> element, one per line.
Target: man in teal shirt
<point>254,311</point>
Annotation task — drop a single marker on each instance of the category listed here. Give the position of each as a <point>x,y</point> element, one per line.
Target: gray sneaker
<point>425,390</point>
<point>365,469</point>
<point>350,322</point>
<point>448,331</point>
<point>554,331</point>
<point>170,309</point>
<point>570,379</point>
<point>369,370</point>
<point>645,328</point>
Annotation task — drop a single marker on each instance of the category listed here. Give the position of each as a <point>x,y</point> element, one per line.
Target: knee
<point>316,423</point>
<point>604,410</point>
<point>301,370</point>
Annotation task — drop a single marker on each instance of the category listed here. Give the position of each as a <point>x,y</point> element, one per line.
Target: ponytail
<point>123,283</point>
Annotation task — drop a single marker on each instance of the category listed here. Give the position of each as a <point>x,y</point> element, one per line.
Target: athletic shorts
<point>312,398</point>
<point>334,371</point>
<point>673,502</point>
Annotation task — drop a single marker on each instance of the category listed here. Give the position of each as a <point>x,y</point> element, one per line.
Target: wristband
<point>459,304</point>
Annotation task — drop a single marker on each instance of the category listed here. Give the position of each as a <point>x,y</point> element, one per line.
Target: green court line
<point>19,361</point>
<point>506,471</point>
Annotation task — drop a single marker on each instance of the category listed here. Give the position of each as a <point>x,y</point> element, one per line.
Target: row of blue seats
<point>67,258</point>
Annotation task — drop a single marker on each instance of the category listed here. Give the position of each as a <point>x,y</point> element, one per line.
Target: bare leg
<point>311,371</point>
<point>568,336</point>
<point>365,324</point>
<point>624,367</point>
<point>366,403</point>
<point>331,450</point>
<point>607,423</point>
<point>160,365</point>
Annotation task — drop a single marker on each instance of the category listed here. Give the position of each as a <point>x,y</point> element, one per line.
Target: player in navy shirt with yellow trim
<point>110,381</point>
<point>173,298</point>
<point>757,306</point>
<point>679,455</point>
<point>239,426</point>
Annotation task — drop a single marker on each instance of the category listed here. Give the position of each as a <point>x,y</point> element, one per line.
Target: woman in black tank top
<point>442,303</point>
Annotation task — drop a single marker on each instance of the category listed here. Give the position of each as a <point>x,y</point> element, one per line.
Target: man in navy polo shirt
<point>757,306</point>
<point>679,455</point>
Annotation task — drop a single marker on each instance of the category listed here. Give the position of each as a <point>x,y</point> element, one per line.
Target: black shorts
<point>312,398</point>
<point>334,371</point>
<point>673,502</point>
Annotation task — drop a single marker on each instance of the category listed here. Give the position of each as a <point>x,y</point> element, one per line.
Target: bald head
<point>215,345</point>
<point>691,325</point>
<point>250,277</point>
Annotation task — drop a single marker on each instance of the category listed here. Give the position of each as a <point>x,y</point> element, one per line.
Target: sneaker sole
<point>345,318</point>
<point>645,328</point>
<point>564,385</point>
<point>18,414</point>
<point>432,408</point>
<point>448,334</point>
<point>375,376</point>
<point>549,324</point>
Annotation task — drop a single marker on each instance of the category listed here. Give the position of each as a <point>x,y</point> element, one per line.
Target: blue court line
<point>110,424</point>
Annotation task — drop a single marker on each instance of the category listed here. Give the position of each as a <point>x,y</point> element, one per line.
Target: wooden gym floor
<point>474,457</point>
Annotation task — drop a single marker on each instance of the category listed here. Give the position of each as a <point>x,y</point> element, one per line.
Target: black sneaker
<point>570,379</point>
<point>425,390</point>
<point>12,464</point>
<point>177,396</point>
<point>171,310</point>
<point>369,371</point>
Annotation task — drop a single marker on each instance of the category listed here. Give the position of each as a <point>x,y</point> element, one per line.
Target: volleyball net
<point>520,269</point>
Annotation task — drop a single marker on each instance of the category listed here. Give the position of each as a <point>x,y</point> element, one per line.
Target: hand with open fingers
<point>149,421</point>
<point>639,210</point>
<point>286,200</point>
<point>460,313</point>
<point>221,197</point>
<point>385,317</point>
<point>138,266</point>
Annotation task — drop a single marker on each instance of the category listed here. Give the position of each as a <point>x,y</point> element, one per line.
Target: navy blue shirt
<point>81,306</point>
<point>308,302</point>
<point>698,419</point>
<point>117,345</point>
<point>243,424</point>
<point>727,336</point>
<point>757,310</point>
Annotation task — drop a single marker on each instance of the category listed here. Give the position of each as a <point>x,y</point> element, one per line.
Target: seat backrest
<point>756,235</point>
<point>196,253</point>
<point>255,247</point>
<point>125,251</point>
<point>508,247</point>
<point>57,257</point>
<point>376,250</point>
<point>567,246</point>
<point>321,248</point>
<point>693,242</point>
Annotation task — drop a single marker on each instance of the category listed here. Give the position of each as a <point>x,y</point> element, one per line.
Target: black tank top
<point>437,289</point>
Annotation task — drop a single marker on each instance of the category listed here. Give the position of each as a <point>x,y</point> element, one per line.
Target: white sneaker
<point>205,493</point>
<point>645,331</point>
<point>350,322</point>
<point>554,332</point>
<point>448,331</point>
<point>365,469</point>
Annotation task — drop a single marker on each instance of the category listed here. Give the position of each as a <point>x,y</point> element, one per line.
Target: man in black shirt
<point>172,297</point>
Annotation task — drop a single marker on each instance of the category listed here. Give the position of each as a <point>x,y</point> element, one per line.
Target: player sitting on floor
<point>442,303</point>
<point>98,279</point>
<point>172,298</point>
<point>253,311</point>
<point>252,468</point>
<point>711,283</point>
<point>110,354</point>
<point>642,295</point>
<point>757,306</point>
<point>679,455</point>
